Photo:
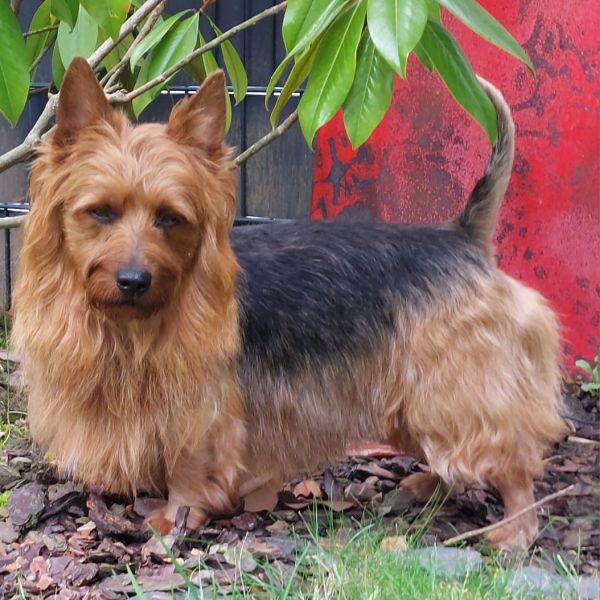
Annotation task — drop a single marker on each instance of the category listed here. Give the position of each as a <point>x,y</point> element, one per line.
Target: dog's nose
<point>133,282</point>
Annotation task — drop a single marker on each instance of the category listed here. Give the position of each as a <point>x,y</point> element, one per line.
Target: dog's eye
<point>102,214</point>
<point>166,219</point>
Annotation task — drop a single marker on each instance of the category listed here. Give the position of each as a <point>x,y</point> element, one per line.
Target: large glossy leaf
<point>178,42</point>
<point>480,21</point>
<point>233,65</point>
<point>65,10</point>
<point>37,43</point>
<point>370,94</point>
<point>277,76</point>
<point>81,41</point>
<point>395,27</point>
<point>332,72</point>
<point>444,53</point>
<point>304,20</point>
<point>297,75</point>
<point>58,69</point>
<point>108,14</point>
<point>14,68</point>
<point>158,32</point>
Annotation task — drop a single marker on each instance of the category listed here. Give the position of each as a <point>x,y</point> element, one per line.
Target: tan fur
<point>149,395</point>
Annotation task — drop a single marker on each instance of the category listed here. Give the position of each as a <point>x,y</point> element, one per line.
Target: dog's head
<point>132,213</point>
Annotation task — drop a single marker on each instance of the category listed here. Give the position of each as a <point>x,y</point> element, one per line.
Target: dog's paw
<point>516,536</point>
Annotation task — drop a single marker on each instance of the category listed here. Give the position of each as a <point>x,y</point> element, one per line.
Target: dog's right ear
<point>81,102</point>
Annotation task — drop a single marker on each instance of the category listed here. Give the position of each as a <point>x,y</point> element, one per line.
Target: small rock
<point>55,542</point>
<point>21,463</point>
<point>58,490</point>
<point>8,477</point>
<point>8,534</point>
<point>25,504</point>
<point>536,581</point>
<point>588,588</point>
<point>453,563</point>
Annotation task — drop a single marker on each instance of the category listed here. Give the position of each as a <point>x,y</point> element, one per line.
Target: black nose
<point>133,282</point>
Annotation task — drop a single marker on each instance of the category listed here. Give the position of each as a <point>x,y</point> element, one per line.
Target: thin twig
<point>12,222</point>
<point>15,6</point>
<point>24,150</point>
<point>109,79</point>
<point>267,139</point>
<point>269,12</point>
<point>40,30</point>
<point>475,532</point>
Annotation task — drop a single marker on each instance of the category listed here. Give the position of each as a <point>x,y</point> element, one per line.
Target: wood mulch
<point>57,541</point>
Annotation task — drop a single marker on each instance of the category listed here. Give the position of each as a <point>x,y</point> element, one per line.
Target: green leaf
<point>370,94</point>
<point>153,38</point>
<point>108,14</point>
<point>453,67</point>
<point>423,57</point>
<point>480,21</point>
<point>395,27</point>
<point>65,11</point>
<point>14,68</point>
<point>233,64</point>
<point>304,20</point>
<point>297,75</point>
<point>58,69</point>
<point>210,64</point>
<point>35,45</point>
<point>584,366</point>
<point>332,72</point>
<point>81,41</point>
<point>276,77</point>
<point>178,42</point>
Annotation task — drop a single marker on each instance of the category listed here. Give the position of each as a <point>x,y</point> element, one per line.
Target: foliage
<point>346,52</point>
<point>4,496</point>
<point>593,386</point>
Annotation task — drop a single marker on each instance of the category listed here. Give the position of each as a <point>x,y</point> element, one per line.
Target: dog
<point>163,351</point>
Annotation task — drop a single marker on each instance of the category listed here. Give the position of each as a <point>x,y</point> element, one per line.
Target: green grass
<point>333,566</point>
<point>4,496</point>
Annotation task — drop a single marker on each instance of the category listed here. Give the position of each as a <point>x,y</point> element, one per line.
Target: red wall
<point>423,159</point>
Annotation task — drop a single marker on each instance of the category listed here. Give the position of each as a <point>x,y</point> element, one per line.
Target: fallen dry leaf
<point>395,543</point>
<point>307,488</point>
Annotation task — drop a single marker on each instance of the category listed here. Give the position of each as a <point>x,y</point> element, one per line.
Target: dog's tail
<point>479,217</point>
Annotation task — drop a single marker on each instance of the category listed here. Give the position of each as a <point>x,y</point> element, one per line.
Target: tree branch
<point>12,222</point>
<point>110,78</point>
<point>41,30</point>
<point>475,532</point>
<point>24,150</point>
<point>267,139</point>
<point>269,12</point>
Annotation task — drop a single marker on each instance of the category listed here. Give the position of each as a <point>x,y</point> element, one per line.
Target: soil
<point>58,541</point>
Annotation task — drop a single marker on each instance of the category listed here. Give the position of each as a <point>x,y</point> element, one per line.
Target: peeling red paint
<point>424,158</point>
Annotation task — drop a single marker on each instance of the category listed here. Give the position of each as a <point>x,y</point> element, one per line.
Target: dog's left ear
<point>199,121</point>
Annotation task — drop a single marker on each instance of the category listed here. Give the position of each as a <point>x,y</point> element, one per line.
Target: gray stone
<point>8,476</point>
<point>21,463</point>
<point>25,504</point>
<point>588,588</point>
<point>537,582</point>
<point>452,563</point>
<point>8,534</point>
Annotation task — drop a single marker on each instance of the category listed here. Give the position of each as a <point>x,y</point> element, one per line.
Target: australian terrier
<point>163,351</point>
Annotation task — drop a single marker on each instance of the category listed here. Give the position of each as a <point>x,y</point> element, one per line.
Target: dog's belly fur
<point>400,333</point>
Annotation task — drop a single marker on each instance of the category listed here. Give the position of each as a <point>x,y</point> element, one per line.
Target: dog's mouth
<point>127,308</point>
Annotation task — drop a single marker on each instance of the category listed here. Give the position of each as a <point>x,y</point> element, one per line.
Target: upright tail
<point>479,217</point>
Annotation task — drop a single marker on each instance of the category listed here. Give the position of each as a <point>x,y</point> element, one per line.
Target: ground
<point>350,532</point>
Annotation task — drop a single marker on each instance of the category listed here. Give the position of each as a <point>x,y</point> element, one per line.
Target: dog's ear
<point>81,102</point>
<point>199,121</point>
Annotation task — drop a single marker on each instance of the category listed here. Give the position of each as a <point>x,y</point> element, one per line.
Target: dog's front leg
<point>205,478</point>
